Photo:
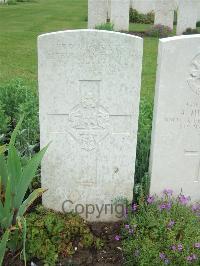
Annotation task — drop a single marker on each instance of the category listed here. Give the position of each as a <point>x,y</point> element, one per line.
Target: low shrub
<point>51,235</point>
<point>159,31</point>
<point>15,178</point>
<point>198,24</point>
<point>17,99</point>
<point>143,147</point>
<point>106,26</point>
<point>190,31</point>
<point>136,17</point>
<point>160,231</point>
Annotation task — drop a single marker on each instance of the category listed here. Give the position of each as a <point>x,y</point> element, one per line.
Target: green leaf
<point>27,176</point>
<point>1,204</point>
<point>8,207</point>
<point>3,244</point>
<point>14,167</point>
<point>31,198</point>
<point>14,134</point>
<point>3,170</point>
<point>3,149</point>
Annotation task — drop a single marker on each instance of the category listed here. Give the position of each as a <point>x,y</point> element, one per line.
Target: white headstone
<point>175,151</point>
<point>89,87</point>
<point>164,13</point>
<point>187,15</point>
<point>120,14</point>
<point>97,13</point>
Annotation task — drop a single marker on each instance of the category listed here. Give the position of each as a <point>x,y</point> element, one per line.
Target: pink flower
<point>183,199</point>
<point>168,192</point>
<point>196,207</point>
<point>117,237</point>
<point>134,207</point>
<point>197,245</point>
<point>150,199</point>
<point>180,247</point>
<point>170,224</point>
<point>165,206</point>
<point>189,258</point>
<point>174,247</point>
<point>127,226</point>
<point>162,256</point>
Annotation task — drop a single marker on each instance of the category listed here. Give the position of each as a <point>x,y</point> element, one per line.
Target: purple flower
<point>194,256</point>
<point>127,226</point>
<point>196,207</point>
<point>130,231</point>
<point>197,245</point>
<point>162,256</point>
<point>150,199</point>
<point>180,247</point>
<point>189,258</point>
<point>125,213</point>
<point>165,206</point>
<point>183,199</point>
<point>174,247</point>
<point>168,192</point>
<point>170,224</point>
<point>117,237</point>
<point>134,207</point>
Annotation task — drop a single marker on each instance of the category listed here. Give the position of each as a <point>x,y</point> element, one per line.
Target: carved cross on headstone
<point>195,153</point>
<point>89,123</point>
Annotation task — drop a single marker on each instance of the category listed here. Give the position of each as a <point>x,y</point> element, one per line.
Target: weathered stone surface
<point>187,15</point>
<point>175,151</point>
<point>120,14</point>
<point>97,12</point>
<point>89,88</point>
<point>164,13</point>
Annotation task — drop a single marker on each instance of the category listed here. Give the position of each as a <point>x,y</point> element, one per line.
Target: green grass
<point>21,24</point>
<point>139,27</point>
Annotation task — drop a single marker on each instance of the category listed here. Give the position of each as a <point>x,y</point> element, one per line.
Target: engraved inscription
<point>194,79</point>
<point>188,117</point>
<point>89,121</point>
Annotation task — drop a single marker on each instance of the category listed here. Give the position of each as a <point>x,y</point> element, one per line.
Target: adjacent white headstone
<point>89,88</point>
<point>164,13</point>
<point>120,14</point>
<point>97,13</point>
<point>175,151</point>
<point>187,15</point>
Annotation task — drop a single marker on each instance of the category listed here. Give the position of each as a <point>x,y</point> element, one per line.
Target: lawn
<point>21,24</point>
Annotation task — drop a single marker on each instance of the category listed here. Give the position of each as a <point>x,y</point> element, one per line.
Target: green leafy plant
<point>3,244</point>
<point>136,17</point>
<point>143,147</point>
<point>106,26</point>
<point>16,99</point>
<point>160,231</point>
<point>15,179</point>
<point>52,235</point>
<point>190,31</point>
<point>159,31</point>
<point>198,24</point>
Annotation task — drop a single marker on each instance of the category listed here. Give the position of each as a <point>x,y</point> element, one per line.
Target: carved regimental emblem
<point>194,80</point>
<point>89,121</point>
